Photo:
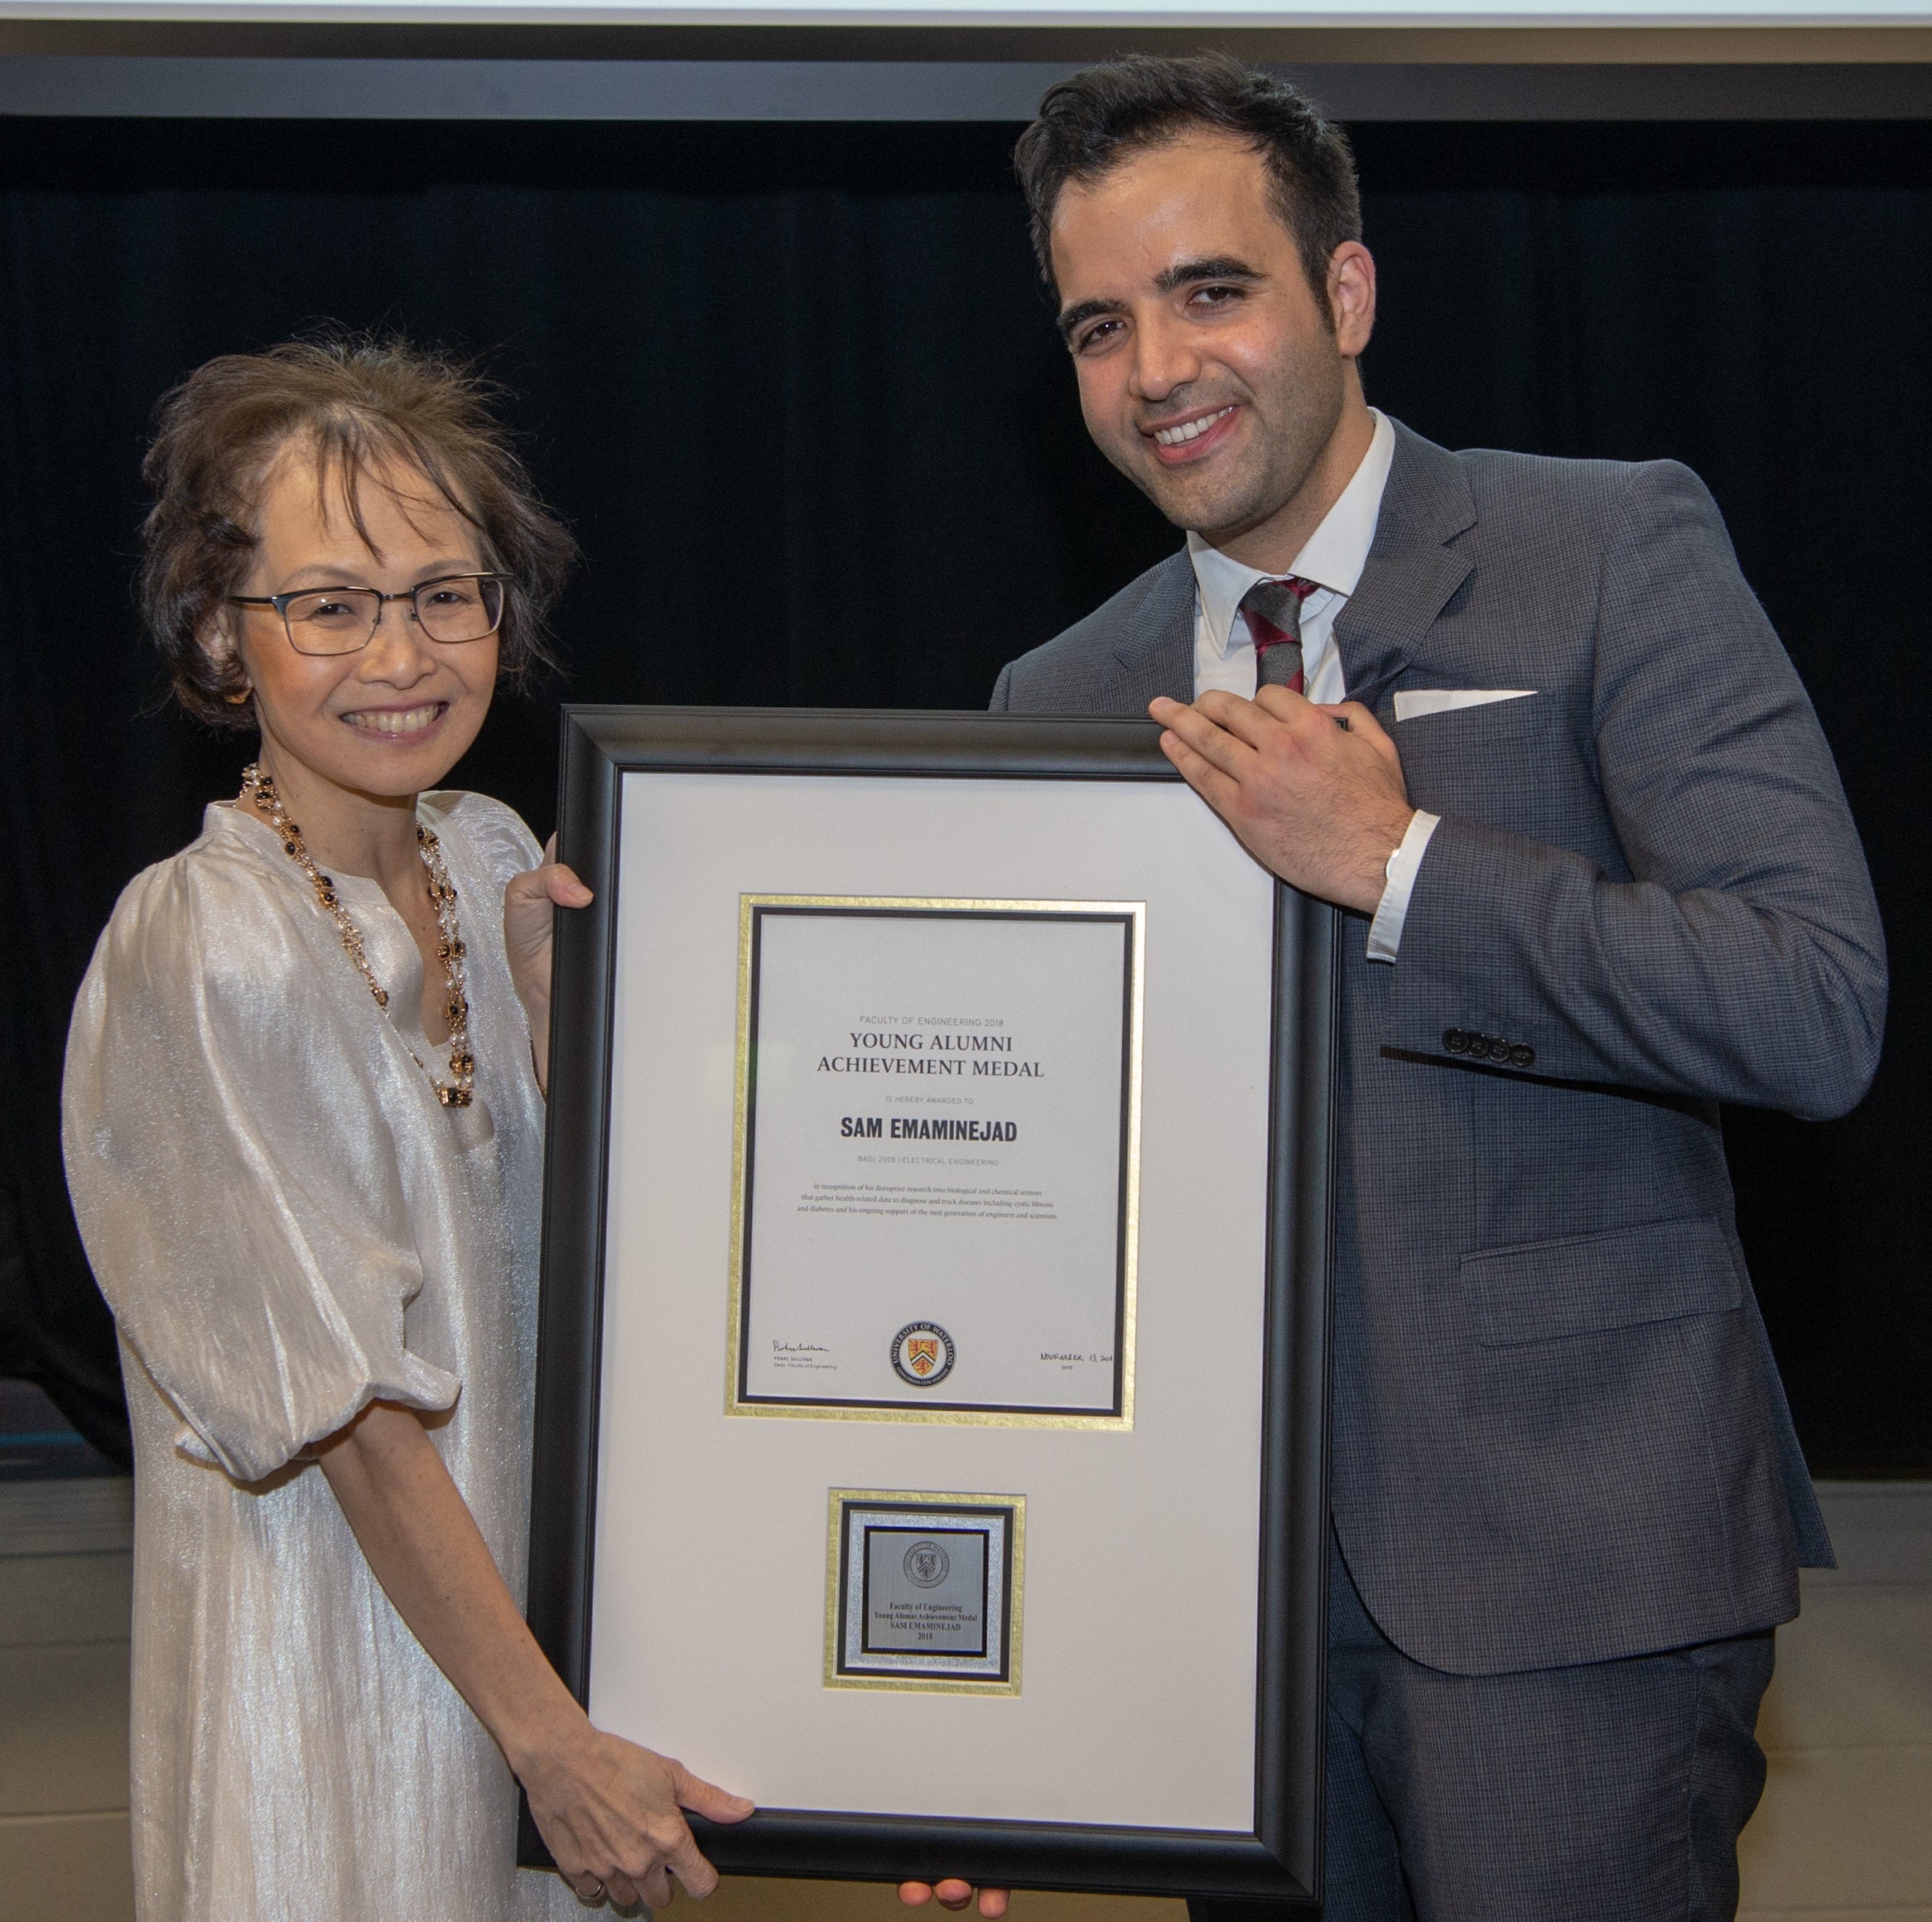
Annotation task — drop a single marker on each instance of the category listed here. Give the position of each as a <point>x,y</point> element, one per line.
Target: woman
<point>304,1122</point>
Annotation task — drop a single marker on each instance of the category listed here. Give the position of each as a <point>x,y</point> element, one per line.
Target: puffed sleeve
<point>233,1172</point>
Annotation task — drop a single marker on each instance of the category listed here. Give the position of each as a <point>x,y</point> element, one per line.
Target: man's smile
<point>1189,439</point>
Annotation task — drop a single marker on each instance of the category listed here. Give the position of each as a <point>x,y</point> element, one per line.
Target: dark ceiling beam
<point>325,87</point>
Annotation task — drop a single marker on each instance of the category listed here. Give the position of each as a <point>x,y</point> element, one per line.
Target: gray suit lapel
<point>1408,578</point>
<point>1411,572</point>
<point>1153,653</point>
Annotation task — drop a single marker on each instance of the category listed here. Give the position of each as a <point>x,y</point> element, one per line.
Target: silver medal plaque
<point>923,1591</point>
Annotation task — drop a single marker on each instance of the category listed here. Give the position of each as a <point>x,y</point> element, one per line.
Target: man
<point>1597,875</point>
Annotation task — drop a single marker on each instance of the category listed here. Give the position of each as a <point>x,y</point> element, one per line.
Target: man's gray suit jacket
<point>1558,1435</point>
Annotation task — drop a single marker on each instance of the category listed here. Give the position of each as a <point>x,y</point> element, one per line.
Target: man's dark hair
<point>1091,123</point>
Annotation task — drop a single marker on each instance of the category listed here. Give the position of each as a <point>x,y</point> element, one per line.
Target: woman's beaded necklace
<point>457,1092</point>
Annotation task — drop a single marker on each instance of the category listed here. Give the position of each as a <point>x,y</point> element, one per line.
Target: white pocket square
<point>1413,702</point>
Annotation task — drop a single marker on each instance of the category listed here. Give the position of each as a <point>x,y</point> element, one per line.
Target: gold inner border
<point>1136,913</point>
<point>842,1499</point>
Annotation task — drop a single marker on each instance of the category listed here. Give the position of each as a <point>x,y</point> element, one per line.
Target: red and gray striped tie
<point>1273,610</point>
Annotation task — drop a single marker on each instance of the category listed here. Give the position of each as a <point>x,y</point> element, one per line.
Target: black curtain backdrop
<point>795,389</point>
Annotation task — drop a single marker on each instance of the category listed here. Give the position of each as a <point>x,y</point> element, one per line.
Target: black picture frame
<point>1281,1859</point>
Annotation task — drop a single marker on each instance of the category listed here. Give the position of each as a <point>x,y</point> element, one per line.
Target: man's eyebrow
<point>1075,318</point>
<point>1217,267</point>
<point>1182,273</point>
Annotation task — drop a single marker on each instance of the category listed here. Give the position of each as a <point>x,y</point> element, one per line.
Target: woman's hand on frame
<point>530,902</point>
<point>612,1815</point>
<point>610,1811</point>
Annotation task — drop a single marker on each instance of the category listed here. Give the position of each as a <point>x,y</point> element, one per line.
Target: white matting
<point>1138,1700</point>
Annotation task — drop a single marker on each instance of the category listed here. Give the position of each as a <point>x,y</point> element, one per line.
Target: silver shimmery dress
<point>288,1225</point>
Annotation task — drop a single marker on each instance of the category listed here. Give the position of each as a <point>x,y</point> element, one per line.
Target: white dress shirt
<point>1333,556</point>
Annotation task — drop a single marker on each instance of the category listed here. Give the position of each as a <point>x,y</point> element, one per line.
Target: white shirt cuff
<point>1392,910</point>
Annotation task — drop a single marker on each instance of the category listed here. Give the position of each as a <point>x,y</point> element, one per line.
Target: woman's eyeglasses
<point>343,620</point>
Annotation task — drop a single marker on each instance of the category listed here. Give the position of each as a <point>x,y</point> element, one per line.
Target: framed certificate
<point>931,1419</point>
<point>995,1186</point>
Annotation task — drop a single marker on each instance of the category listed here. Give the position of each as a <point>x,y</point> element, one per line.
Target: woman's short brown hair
<point>356,405</point>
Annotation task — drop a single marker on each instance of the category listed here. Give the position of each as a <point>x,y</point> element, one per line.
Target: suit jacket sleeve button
<point>1499,1050</point>
<point>1456,1041</point>
<point>1522,1056</point>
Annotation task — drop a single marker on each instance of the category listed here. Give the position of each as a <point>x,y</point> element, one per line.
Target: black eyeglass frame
<point>281,602</point>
